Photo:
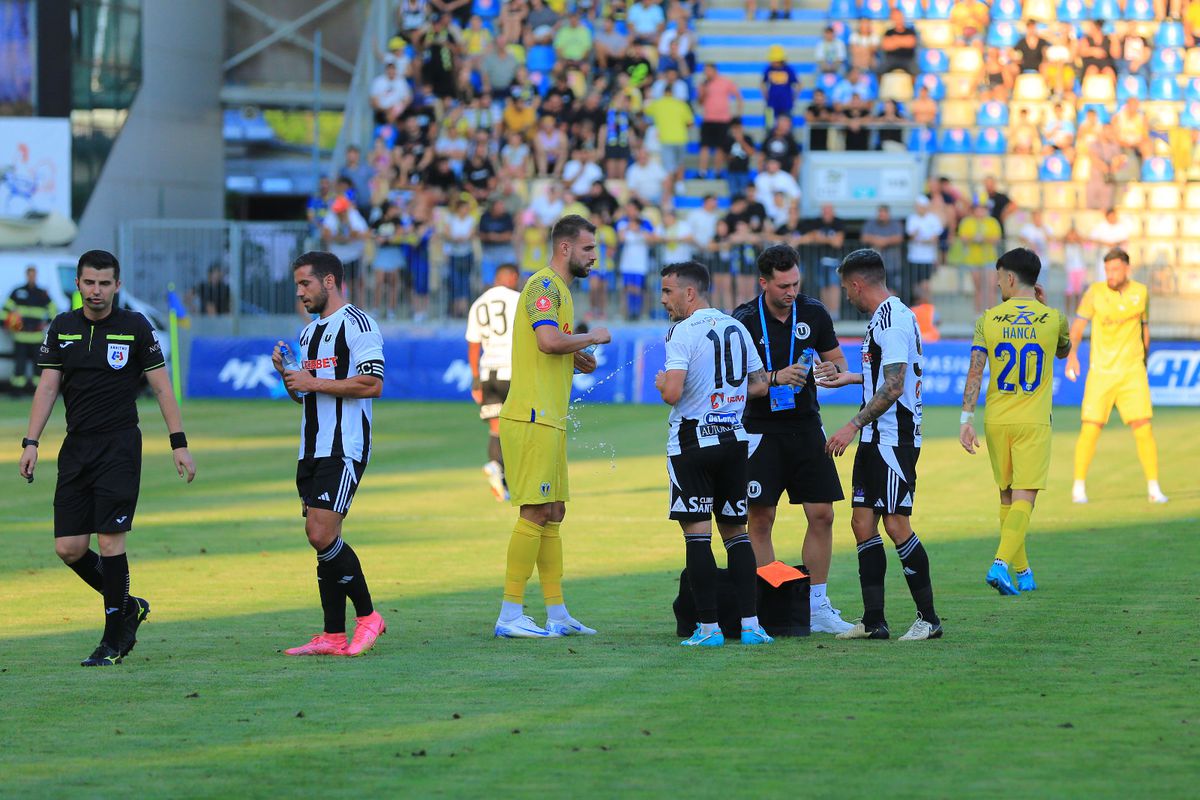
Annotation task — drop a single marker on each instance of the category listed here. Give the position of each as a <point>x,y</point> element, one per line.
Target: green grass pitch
<point>1087,687</point>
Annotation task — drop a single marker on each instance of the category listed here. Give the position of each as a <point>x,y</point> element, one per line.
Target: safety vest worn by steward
<point>28,312</point>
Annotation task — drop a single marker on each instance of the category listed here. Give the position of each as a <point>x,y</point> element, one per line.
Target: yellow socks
<point>523,549</point>
<point>1020,561</point>
<point>1085,449</point>
<point>1012,532</point>
<point>1147,451</point>
<point>550,564</point>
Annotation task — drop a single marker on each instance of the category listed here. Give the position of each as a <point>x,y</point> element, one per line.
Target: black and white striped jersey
<point>893,338</point>
<point>340,346</point>
<point>718,354</point>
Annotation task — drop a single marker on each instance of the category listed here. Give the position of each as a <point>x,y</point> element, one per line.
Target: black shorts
<point>714,134</point>
<point>920,272</point>
<point>495,391</point>
<point>885,477</point>
<point>794,461</point>
<point>709,481</point>
<point>351,269</point>
<point>328,483</point>
<point>99,475</point>
<point>615,152</point>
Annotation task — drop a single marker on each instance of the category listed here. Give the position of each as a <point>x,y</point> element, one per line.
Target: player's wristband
<point>28,442</point>
<point>178,440</point>
<point>772,381</point>
<point>967,416</point>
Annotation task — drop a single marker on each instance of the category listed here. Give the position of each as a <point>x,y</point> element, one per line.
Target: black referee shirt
<point>814,328</point>
<point>102,364</point>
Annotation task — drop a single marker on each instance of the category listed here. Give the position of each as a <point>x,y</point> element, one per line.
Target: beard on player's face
<point>315,304</point>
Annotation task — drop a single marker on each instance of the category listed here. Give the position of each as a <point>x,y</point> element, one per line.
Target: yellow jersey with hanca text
<point>540,389</point>
<point>1117,319</point>
<point>1021,338</point>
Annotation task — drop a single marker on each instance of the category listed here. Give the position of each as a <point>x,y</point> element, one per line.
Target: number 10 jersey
<point>719,355</point>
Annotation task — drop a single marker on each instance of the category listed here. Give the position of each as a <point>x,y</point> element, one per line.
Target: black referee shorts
<point>795,461</point>
<point>99,475</point>
<point>328,483</point>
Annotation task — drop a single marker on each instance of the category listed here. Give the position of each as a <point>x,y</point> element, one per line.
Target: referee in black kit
<point>96,356</point>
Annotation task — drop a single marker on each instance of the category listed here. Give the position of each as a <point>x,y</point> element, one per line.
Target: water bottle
<point>289,362</point>
<point>587,351</point>
<point>808,358</point>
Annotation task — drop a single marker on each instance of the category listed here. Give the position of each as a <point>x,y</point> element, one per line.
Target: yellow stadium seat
<point>935,33</point>
<point>960,86</point>
<point>1098,88</point>
<point>1163,197</point>
<point>1030,86</point>
<point>1041,10</point>
<point>958,113</point>
<point>1059,222</point>
<point>1192,198</point>
<point>896,86</point>
<point>1191,63</point>
<point>1189,253</point>
<point>955,166</point>
<point>965,59</point>
<point>1026,194</point>
<point>1159,252</point>
<point>1021,168</point>
<point>1189,223</point>
<point>1133,198</point>
<point>1086,219</point>
<point>1060,196</point>
<point>1081,170</point>
<point>984,165</point>
<point>1161,226</point>
<point>1162,116</point>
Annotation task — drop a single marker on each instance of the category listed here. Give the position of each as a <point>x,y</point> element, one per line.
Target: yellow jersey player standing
<point>1119,310</point>
<point>1015,340</point>
<point>545,355</point>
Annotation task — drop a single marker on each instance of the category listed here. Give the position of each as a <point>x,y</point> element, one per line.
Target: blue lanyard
<point>762,319</point>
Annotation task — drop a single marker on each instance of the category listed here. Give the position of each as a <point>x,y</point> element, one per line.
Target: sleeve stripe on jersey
<point>975,347</point>
<point>544,322</point>
<point>156,366</point>
<point>358,316</point>
<point>51,366</point>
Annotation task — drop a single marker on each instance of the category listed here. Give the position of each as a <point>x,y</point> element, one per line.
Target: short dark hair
<point>1022,262</point>
<point>569,227</point>
<point>508,266</point>
<point>865,263</point>
<point>98,259</point>
<point>322,263</point>
<point>777,258</point>
<point>1116,254</point>
<point>690,272</point>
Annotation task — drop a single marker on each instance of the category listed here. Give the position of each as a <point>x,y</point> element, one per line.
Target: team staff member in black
<point>96,355</point>
<point>787,442</point>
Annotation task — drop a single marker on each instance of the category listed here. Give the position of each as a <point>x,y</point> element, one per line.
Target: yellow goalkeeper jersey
<point>1117,318</point>
<point>541,384</point>
<point>1020,338</point>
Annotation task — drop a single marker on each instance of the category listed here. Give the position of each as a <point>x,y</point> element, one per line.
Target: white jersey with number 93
<point>490,324</point>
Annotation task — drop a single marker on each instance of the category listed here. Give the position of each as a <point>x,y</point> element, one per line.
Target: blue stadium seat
<point>487,9</point>
<point>937,90</point>
<point>843,9</point>
<point>1102,112</point>
<point>1055,168</point>
<point>1170,34</point>
<point>992,114</point>
<point>1106,9</point>
<point>1139,10</point>
<point>1193,89</point>
<point>912,9</point>
<point>935,61</point>
<point>1006,10</point>
<point>875,9</point>
<point>1165,87</point>
<point>938,9</point>
<point>1167,61</point>
<point>954,140</point>
<point>922,140</point>
<point>1158,170</point>
<point>826,81</point>
<point>1004,34</point>
<point>1072,11</point>
<point>1190,118</point>
<point>540,58</point>
<point>991,141</point>
<point>1131,86</point>
<point>841,29</point>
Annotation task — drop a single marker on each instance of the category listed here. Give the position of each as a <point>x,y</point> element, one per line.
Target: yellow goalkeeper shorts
<point>1020,455</point>
<point>1128,391</point>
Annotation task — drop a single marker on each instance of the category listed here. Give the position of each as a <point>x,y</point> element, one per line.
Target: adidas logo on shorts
<point>324,496</point>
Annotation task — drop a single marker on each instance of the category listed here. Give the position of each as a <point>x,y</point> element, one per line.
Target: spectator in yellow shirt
<point>673,118</point>
<point>979,236</point>
<point>573,42</point>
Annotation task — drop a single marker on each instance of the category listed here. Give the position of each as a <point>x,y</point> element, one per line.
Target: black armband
<point>28,442</point>
<point>373,368</point>
<point>178,440</point>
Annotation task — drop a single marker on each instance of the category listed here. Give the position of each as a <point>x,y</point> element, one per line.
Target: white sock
<point>816,595</point>
<point>557,613</point>
<point>1153,487</point>
<point>749,622</point>
<point>511,612</point>
<point>1079,486</point>
<point>709,627</point>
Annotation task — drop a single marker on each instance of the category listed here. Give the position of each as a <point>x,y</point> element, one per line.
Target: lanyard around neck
<point>762,318</point>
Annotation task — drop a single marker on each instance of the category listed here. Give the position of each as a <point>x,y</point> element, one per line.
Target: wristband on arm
<point>178,440</point>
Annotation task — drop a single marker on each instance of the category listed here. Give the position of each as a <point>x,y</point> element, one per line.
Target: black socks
<point>494,453</point>
<point>702,575</point>
<point>115,588</point>
<point>339,575</point>
<point>916,571</point>
<point>872,567</point>
<point>743,568</point>
<point>89,569</point>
